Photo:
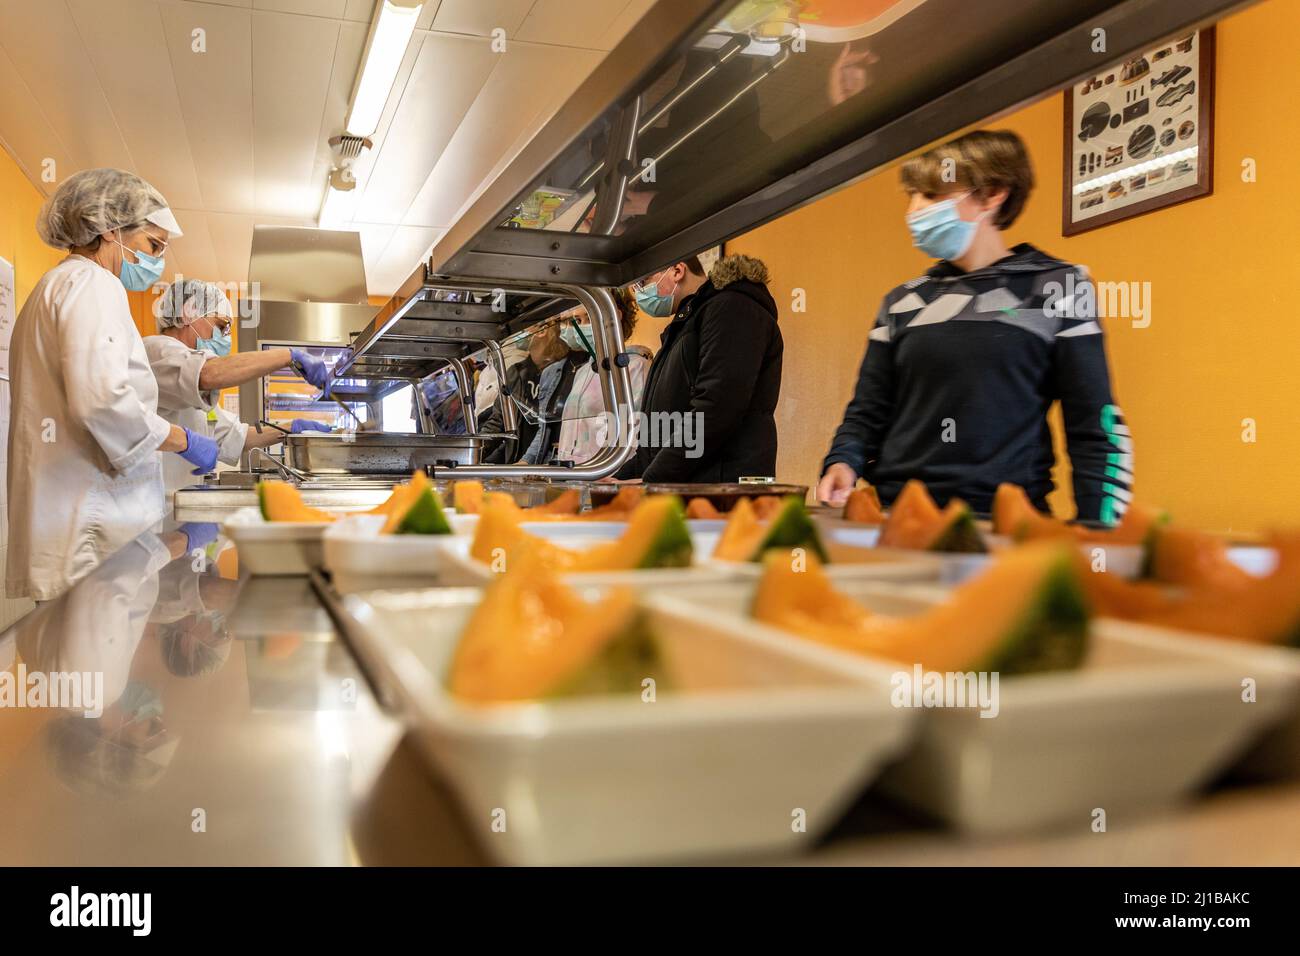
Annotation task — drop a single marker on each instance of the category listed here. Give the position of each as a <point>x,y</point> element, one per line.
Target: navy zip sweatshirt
<point>959,374</point>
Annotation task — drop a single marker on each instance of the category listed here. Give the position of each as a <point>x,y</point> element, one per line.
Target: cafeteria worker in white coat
<point>191,360</point>
<point>84,432</point>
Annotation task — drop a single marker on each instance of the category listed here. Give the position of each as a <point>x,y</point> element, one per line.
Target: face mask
<point>653,302</point>
<point>141,274</point>
<point>140,701</point>
<point>576,337</point>
<point>219,344</point>
<point>939,230</point>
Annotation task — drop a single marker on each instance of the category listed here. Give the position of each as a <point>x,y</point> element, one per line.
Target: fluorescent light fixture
<point>338,208</point>
<point>389,36</point>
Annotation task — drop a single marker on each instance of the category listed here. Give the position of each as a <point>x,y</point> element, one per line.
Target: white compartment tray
<point>295,547</point>
<point>274,547</point>
<point>760,734</point>
<point>1147,719</point>
<point>358,557</point>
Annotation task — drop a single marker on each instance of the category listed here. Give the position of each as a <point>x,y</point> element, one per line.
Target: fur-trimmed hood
<point>731,269</point>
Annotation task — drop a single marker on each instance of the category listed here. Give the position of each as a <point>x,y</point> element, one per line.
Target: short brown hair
<point>984,161</point>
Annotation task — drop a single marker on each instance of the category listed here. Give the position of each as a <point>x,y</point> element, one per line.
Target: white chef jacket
<point>84,477</point>
<point>96,628</point>
<point>181,402</point>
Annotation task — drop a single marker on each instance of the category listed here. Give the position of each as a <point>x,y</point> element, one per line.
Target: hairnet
<point>183,302</point>
<point>95,201</point>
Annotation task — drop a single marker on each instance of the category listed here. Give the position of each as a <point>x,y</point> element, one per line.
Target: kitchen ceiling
<point>234,134</point>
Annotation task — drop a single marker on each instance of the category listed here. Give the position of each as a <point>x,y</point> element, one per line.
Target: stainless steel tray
<point>378,453</point>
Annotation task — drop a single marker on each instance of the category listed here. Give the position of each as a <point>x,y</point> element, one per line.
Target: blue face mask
<point>141,274</point>
<point>653,302</point>
<point>939,230</point>
<point>575,337</point>
<point>219,344</point>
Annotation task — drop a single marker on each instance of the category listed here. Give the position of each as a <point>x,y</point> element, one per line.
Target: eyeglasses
<point>217,322</point>
<point>647,282</point>
<point>156,246</point>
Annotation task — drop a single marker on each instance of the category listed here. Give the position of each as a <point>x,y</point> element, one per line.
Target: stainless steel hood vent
<point>308,285</point>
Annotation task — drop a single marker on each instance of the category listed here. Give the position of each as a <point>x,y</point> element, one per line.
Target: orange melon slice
<point>533,637</point>
<point>916,522</point>
<point>1026,612</point>
<point>863,506</point>
<point>281,501</point>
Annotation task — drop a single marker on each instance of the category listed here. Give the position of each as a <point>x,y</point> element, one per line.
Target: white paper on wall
<point>8,313</point>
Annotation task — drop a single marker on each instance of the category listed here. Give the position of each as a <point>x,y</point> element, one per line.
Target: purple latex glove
<point>301,425</point>
<point>198,534</point>
<point>200,451</point>
<point>312,369</point>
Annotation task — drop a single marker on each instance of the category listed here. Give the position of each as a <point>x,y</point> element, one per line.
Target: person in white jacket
<point>84,475</point>
<point>191,360</point>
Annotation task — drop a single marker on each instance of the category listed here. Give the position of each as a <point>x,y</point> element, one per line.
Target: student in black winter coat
<point>710,395</point>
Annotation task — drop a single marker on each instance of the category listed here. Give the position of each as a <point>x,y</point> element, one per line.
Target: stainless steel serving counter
<point>238,729</point>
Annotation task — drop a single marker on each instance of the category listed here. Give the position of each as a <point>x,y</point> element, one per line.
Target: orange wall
<point>19,203</point>
<point>1223,342</point>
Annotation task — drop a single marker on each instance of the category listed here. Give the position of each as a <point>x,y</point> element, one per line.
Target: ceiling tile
<point>343,74</point>
<point>374,243</point>
<point>292,61</point>
<point>364,10</point>
<point>506,113</point>
<point>481,17</point>
<point>130,54</point>
<point>236,136</point>
<point>624,22</point>
<point>408,246</point>
<point>334,9</point>
<point>448,75</point>
<point>577,23</point>
<point>50,45</point>
<point>194,254</point>
<point>215,86</point>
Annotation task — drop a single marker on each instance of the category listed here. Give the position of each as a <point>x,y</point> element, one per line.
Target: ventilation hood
<point>307,286</point>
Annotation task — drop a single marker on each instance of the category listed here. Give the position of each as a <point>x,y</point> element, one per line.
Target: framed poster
<point>1139,136</point>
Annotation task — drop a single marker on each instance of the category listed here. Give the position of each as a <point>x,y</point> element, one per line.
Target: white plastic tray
<point>274,547</point>
<point>760,735</point>
<point>358,557</point>
<point>1276,755</point>
<point>1145,721</point>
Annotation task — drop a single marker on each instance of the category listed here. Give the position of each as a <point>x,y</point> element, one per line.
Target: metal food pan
<point>722,496</point>
<point>378,453</point>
